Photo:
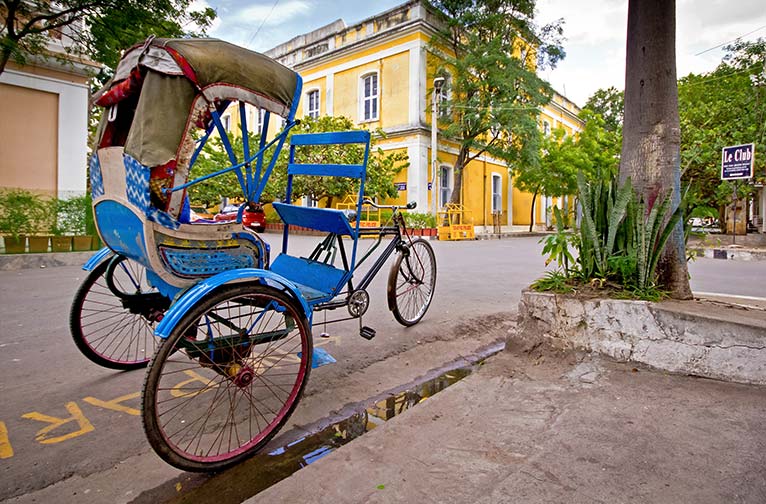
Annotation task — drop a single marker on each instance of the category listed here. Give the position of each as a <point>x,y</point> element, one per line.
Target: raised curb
<point>698,337</point>
<point>731,254</point>
<point>12,262</point>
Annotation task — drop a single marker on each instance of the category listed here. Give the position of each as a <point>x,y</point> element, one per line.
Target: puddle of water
<point>266,469</point>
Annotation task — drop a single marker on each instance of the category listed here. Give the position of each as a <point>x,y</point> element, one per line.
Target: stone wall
<point>693,337</point>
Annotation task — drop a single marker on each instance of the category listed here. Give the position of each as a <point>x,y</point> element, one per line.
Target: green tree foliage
<point>724,107</point>
<point>381,167</point>
<point>610,104</point>
<point>99,29</point>
<point>490,51</point>
<point>594,152</point>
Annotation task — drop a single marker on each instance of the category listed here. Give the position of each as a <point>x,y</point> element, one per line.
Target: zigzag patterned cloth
<point>96,180</point>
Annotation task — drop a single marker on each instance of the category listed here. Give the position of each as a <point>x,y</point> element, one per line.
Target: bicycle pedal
<point>367,332</point>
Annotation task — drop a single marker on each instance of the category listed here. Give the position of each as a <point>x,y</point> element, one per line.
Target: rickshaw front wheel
<point>227,378</point>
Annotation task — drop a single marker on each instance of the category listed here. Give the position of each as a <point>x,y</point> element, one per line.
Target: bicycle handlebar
<point>409,206</point>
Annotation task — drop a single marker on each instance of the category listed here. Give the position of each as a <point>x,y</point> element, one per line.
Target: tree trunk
<point>458,170</point>
<point>532,211</point>
<point>651,131</point>
<point>5,55</point>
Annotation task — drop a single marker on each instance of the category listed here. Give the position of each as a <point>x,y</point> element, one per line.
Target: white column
<point>417,174</point>
<point>329,88</point>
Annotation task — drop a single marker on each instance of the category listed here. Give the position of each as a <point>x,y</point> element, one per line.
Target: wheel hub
<point>358,302</point>
<point>242,376</point>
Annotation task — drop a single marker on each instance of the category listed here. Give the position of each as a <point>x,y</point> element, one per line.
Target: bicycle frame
<point>397,244</point>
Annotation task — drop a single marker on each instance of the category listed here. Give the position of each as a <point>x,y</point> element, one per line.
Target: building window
<point>445,95</point>
<point>445,185</point>
<point>497,193</point>
<point>259,113</point>
<point>226,120</point>
<point>255,121</point>
<point>313,106</point>
<point>369,104</point>
<point>309,201</point>
<point>546,128</point>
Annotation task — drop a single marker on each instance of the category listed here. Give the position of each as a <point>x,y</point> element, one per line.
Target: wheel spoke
<point>231,395</point>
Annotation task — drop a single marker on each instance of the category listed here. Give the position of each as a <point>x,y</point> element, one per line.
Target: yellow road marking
<point>115,405</point>
<point>77,416</point>
<point>178,391</point>
<point>6,450</point>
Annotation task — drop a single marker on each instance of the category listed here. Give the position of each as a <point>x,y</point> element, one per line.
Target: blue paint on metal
<point>96,259</point>
<point>326,170</point>
<point>164,288</point>
<point>318,276</point>
<point>245,148</point>
<point>202,289</point>
<point>259,162</point>
<point>329,220</point>
<point>121,229</point>
<point>335,137</point>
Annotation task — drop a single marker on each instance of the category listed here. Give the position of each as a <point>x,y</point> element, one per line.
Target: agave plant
<point>622,235</point>
<point>648,229</point>
<point>604,206</point>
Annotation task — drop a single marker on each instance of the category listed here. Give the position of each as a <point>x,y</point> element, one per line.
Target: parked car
<point>201,212</point>
<point>253,216</point>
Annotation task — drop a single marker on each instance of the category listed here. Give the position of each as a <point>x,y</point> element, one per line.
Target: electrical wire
<point>263,22</point>
<point>730,41</point>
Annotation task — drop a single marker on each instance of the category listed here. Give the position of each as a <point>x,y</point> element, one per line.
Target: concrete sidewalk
<point>554,427</point>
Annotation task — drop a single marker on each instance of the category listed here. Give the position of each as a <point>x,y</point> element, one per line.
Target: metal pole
<point>434,148</point>
<point>734,226</point>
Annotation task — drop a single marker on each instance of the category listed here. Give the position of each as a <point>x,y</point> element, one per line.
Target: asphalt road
<point>62,415</point>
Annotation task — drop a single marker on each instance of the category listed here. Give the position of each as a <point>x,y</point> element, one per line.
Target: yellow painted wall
<point>521,207</point>
<point>395,90</point>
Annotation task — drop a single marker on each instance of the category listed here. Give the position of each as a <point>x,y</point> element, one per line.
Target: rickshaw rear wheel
<point>411,282</point>
<point>227,378</point>
<point>103,328</point>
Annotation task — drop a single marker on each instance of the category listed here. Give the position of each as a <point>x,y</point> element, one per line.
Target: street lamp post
<point>435,98</point>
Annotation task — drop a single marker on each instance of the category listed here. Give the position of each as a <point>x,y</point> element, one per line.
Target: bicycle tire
<point>106,332</point>
<point>411,282</point>
<point>198,408</point>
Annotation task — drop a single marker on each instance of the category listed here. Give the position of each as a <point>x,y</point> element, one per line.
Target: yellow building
<point>375,72</point>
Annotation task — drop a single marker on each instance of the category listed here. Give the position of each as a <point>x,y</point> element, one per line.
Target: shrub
<point>418,220</point>
<point>71,215</point>
<point>22,212</point>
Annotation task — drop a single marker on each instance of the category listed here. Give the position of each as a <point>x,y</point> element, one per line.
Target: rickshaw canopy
<point>180,80</point>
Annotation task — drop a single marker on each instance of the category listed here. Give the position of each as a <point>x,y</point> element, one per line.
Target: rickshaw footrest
<point>367,332</point>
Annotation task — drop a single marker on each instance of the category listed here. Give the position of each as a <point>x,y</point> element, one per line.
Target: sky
<point>594,32</point>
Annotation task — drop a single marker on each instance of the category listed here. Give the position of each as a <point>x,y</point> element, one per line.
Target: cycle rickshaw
<point>225,330</point>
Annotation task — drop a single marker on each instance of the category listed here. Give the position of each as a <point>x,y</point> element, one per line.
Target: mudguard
<point>96,259</point>
<point>196,293</point>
